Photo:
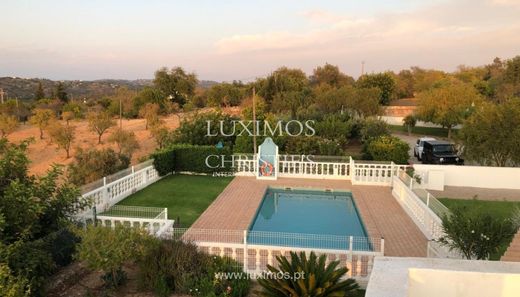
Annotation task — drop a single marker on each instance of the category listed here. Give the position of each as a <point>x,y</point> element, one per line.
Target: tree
<point>126,142</point>
<point>8,124</point>
<point>475,233</point>
<point>359,102</point>
<point>319,278</point>
<point>409,122</point>
<point>447,105</point>
<point>40,94</point>
<point>67,116</point>
<point>383,81</point>
<point>100,122</point>
<point>150,112</point>
<point>60,93</point>
<point>491,135</point>
<point>330,75</point>
<point>32,210</point>
<point>62,135</point>
<point>404,84</point>
<point>290,101</point>
<point>225,94</point>
<point>281,80</point>
<point>42,118</point>
<point>161,134</point>
<point>176,84</point>
<point>91,165</point>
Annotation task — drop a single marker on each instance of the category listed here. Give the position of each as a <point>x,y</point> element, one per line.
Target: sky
<point>241,40</point>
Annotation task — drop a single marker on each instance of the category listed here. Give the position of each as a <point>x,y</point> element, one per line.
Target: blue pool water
<point>308,218</point>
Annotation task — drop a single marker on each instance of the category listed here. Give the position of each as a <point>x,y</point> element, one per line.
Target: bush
<point>178,267</point>
<point>191,158</point>
<point>195,131</point>
<point>30,264</point>
<point>303,145</point>
<point>107,249</point>
<point>372,129</point>
<point>90,165</point>
<point>409,122</point>
<point>475,234</point>
<point>61,246</point>
<point>388,148</point>
<point>317,278</point>
<point>337,127</point>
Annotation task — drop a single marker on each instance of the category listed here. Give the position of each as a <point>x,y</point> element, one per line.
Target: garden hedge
<point>191,158</point>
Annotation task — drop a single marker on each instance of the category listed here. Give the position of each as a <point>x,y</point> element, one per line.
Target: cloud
<point>444,30</point>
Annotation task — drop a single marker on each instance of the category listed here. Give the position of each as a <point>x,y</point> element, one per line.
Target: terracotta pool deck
<point>236,206</point>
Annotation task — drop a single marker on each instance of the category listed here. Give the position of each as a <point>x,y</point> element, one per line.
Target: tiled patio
<point>236,206</point>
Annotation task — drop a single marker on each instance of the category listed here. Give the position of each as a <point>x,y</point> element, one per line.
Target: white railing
<point>374,173</point>
<point>359,172</point>
<point>423,213</point>
<point>427,221</point>
<point>110,193</point>
<point>308,169</point>
<point>155,226</point>
<point>254,252</point>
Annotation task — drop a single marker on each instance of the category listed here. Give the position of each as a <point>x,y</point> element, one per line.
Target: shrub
<point>61,246</point>
<point>178,267</point>
<point>317,278</point>
<point>303,145</point>
<point>195,131</point>
<point>30,264</point>
<point>191,158</point>
<point>90,165</point>
<point>372,129</point>
<point>337,127</point>
<point>475,234</point>
<point>107,249</point>
<point>388,148</point>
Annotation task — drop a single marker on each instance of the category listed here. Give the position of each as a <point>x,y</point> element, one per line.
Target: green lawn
<point>439,132</point>
<point>501,209</point>
<point>185,196</point>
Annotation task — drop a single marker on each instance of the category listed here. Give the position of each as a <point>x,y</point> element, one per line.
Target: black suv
<point>440,152</point>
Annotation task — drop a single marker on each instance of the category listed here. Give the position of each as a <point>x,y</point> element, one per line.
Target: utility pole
<point>362,68</point>
<point>254,121</point>
<point>120,113</point>
<point>2,95</point>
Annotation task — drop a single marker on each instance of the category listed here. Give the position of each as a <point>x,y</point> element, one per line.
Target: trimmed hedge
<point>192,158</point>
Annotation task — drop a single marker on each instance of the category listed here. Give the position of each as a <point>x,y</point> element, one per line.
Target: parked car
<point>418,148</point>
<point>440,152</point>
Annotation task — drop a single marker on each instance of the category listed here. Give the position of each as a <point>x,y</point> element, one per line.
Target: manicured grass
<point>500,209</point>
<point>185,196</point>
<point>429,131</point>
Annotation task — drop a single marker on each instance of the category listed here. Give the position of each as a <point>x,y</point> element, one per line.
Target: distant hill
<point>25,88</point>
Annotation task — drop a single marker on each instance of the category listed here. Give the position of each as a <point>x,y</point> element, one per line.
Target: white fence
<point>254,251</point>
<point>424,213</point>
<point>360,173</point>
<point>110,193</point>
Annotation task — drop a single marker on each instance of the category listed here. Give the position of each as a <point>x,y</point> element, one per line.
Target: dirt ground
<point>43,153</point>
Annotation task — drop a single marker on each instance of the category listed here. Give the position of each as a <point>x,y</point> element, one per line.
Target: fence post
<point>105,192</point>
<point>246,253</point>
<point>428,199</point>
<point>411,183</point>
<point>351,168</point>
<point>166,213</point>
<point>392,169</point>
<point>351,243</point>
<point>133,171</point>
<point>383,245</point>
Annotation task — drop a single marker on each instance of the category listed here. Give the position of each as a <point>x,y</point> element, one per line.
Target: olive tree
<point>100,122</point>
<point>42,117</point>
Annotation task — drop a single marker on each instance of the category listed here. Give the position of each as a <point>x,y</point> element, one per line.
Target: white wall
<point>470,176</point>
<point>448,283</point>
<point>392,120</point>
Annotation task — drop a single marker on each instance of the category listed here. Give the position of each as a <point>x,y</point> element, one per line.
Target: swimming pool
<point>308,218</point>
